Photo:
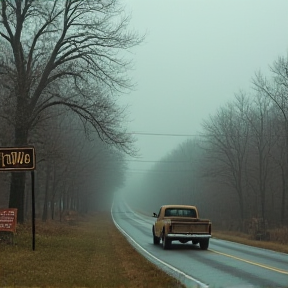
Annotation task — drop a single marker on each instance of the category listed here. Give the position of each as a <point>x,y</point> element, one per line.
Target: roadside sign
<point>8,220</point>
<point>17,159</point>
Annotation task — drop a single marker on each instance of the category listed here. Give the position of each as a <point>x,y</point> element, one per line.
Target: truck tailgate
<point>192,227</point>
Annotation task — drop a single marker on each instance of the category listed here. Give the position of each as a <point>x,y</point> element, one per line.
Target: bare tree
<point>73,170</point>
<point>277,91</point>
<point>226,136</point>
<point>261,142</point>
<point>65,53</point>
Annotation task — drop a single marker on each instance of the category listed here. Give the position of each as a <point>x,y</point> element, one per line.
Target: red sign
<point>8,220</point>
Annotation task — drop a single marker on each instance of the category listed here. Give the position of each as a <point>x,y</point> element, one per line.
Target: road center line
<point>252,263</point>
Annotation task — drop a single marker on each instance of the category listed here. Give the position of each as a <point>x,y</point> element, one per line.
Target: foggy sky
<point>197,54</point>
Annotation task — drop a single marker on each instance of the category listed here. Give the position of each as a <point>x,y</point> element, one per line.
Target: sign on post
<point>17,159</point>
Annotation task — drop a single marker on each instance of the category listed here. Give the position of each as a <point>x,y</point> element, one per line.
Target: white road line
<point>155,258</point>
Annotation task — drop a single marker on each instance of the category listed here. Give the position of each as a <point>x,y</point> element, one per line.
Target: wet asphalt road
<point>224,264</point>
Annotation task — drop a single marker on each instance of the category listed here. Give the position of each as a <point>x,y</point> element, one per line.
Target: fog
<point>195,57</point>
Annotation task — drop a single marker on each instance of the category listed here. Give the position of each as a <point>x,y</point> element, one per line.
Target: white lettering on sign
<point>8,219</point>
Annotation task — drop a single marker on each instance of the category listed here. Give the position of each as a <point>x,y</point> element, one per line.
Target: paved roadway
<point>224,264</point>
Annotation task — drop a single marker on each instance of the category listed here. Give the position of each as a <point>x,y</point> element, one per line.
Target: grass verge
<point>92,253</point>
<point>245,239</point>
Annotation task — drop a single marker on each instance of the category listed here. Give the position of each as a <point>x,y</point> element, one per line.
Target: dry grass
<point>246,239</point>
<point>92,253</point>
<point>279,235</point>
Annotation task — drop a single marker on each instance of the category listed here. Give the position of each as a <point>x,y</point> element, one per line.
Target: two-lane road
<point>224,264</point>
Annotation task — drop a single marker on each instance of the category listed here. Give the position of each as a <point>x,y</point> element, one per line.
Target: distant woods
<point>62,66</point>
<point>236,170</point>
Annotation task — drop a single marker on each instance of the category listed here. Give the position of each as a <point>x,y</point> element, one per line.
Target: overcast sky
<point>197,54</point>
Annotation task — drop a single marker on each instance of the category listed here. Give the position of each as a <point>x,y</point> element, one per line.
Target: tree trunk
<point>45,206</point>
<point>52,206</point>
<point>17,189</point>
<point>283,198</point>
<point>17,186</point>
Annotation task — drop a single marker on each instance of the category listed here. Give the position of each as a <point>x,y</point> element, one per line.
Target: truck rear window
<point>180,212</point>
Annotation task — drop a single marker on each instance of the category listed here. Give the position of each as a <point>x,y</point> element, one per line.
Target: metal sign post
<point>21,159</point>
<point>33,210</point>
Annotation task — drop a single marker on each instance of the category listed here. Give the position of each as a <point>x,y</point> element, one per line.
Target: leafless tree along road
<point>224,264</point>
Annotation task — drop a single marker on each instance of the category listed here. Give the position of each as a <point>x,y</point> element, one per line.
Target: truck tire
<point>166,243</point>
<point>156,240</point>
<point>204,244</point>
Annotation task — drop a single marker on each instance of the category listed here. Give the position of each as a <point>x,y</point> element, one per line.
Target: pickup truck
<point>182,223</point>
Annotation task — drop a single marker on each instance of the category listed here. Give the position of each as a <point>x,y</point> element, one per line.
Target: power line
<point>164,134</point>
<point>139,133</point>
<point>157,161</point>
<point>156,171</point>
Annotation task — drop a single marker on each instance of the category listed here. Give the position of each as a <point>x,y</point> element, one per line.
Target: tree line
<point>61,61</point>
<point>237,168</point>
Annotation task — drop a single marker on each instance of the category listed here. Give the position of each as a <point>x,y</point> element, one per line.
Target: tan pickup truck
<point>182,223</point>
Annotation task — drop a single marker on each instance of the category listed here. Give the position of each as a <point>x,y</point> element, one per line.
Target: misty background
<point>196,57</point>
<point>205,122</point>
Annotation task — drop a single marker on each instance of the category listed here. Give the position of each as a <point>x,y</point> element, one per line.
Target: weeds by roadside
<point>242,238</point>
<point>92,253</point>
